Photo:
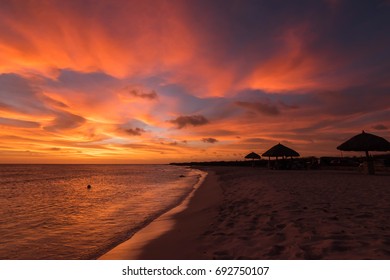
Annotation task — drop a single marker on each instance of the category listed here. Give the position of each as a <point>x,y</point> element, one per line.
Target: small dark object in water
<point>181,176</point>
<point>89,186</point>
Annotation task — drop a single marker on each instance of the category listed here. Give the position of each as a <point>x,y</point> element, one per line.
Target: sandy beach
<point>254,213</point>
<point>180,228</point>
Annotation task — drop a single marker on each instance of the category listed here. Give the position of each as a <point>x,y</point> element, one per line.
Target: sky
<point>178,80</point>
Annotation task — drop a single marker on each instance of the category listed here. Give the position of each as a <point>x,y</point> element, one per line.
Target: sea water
<point>48,212</point>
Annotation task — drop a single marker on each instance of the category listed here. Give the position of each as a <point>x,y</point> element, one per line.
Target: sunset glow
<point>161,81</point>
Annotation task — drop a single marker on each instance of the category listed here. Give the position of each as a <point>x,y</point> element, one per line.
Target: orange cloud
<point>147,81</point>
<point>120,38</point>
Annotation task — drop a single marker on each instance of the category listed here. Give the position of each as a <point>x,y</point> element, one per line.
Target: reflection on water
<point>47,211</point>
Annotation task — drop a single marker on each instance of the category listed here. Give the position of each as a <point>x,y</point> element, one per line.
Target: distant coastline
<point>325,162</point>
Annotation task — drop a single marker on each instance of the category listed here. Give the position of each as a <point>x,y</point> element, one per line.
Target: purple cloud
<point>259,107</point>
<point>141,94</point>
<point>380,127</point>
<point>134,131</point>
<point>65,120</point>
<point>210,140</point>
<point>18,123</point>
<point>195,120</point>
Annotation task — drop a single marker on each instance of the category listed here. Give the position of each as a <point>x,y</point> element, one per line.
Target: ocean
<point>48,212</point>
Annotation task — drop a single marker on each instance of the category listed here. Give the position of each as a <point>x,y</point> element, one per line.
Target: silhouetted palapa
<point>253,156</point>
<point>365,142</point>
<point>280,150</point>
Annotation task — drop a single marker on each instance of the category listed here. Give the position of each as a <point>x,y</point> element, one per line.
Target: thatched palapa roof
<point>253,155</point>
<point>365,142</point>
<point>280,150</point>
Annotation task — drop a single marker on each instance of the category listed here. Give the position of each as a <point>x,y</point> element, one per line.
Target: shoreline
<point>178,228</point>
<point>260,214</point>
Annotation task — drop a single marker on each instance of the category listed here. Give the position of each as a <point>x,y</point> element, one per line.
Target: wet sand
<point>253,213</point>
<point>177,233</point>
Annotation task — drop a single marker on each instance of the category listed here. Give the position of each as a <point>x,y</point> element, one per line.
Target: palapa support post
<point>370,165</point>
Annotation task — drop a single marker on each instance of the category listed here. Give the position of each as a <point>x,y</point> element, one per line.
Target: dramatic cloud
<point>195,120</point>
<point>64,121</point>
<point>20,95</point>
<point>210,140</point>
<point>141,94</point>
<point>80,79</point>
<point>134,131</point>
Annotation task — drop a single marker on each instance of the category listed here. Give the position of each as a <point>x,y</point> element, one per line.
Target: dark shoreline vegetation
<point>296,163</point>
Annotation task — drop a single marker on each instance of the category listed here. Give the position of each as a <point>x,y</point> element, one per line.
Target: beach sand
<point>177,233</point>
<point>254,213</point>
